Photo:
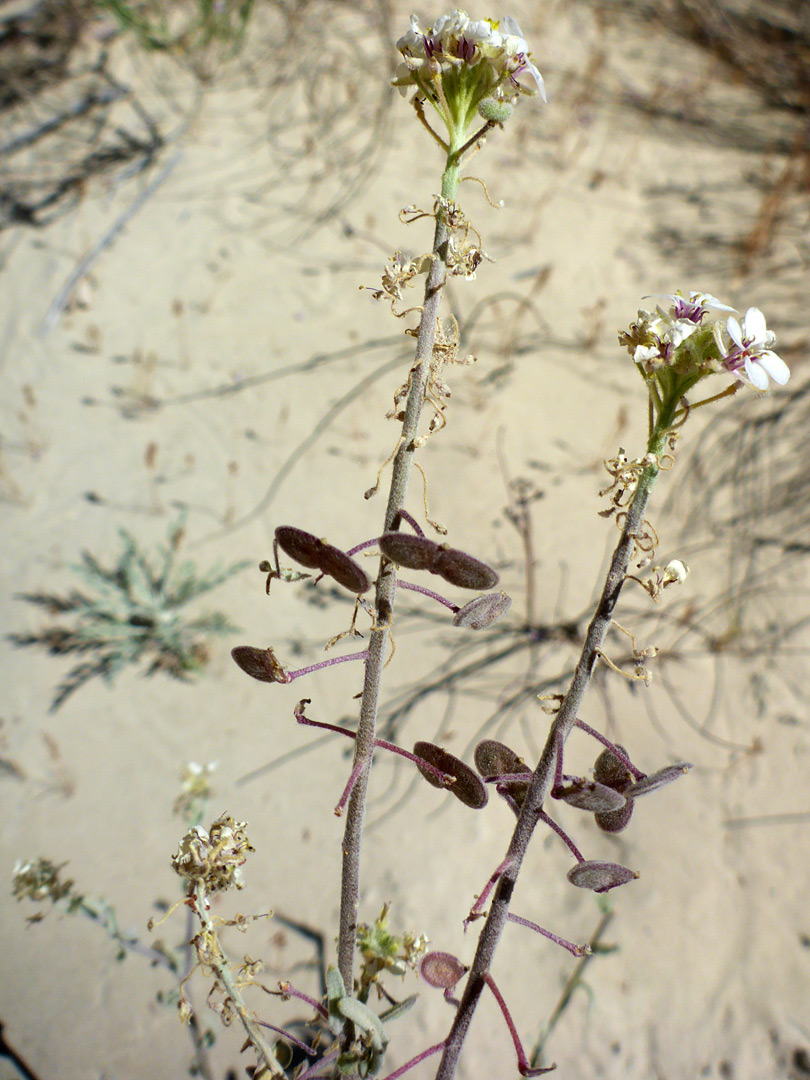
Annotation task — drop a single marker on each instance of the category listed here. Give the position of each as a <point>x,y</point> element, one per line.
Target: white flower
<point>690,306</point>
<point>752,351</point>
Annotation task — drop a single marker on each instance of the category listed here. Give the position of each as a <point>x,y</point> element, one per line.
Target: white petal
<point>529,74</point>
<point>775,366</point>
<point>734,331</point>
<point>711,302</point>
<point>508,25</point>
<point>754,328</point>
<point>756,374</point>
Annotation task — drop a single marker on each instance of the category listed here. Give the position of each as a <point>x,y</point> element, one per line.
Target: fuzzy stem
<point>386,586</point>
<point>215,960</point>
<point>543,776</point>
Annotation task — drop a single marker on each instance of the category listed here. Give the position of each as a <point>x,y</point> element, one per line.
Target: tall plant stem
<point>544,773</point>
<point>386,583</point>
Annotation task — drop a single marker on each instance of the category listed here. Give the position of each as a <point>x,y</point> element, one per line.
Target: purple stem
<point>361,547</point>
<point>428,592</point>
<point>576,950</point>
<point>344,798</point>
<point>614,749</point>
<point>524,1067</point>
<point>414,524</point>
<point>383,744</point>
<point>326,663</point>
<point>288,990</point>
<point>563,836</point>
<point>288,1038</point>
<point>414,1061</point>
<point>324,1064</point>
<point>477,907</point>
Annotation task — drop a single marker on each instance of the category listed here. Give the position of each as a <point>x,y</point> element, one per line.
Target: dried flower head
<point>213,859</point>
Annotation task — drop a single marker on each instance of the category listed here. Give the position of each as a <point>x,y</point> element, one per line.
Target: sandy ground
<point>272,204</point>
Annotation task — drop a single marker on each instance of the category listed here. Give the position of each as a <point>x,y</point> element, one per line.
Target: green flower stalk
<point>678,348</point>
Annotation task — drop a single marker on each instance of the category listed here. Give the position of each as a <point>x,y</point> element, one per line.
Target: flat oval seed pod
<point>483,611</point>
<point>468,786</point>
<point>346,572</point>
<point>412,552</point>
<point>599,876</point>
<point>611,772</point>
<point>613,821</point>
<point>658,779</point>
<point>301,546</point>
<point>591,795</point>
<point>260,664</point>
<point>463,570</point>
<point>441,969</point>
<point>493,758</point>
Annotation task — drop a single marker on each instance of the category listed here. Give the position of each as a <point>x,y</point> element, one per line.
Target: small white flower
<point>692,307</point>
<point>752,351</point>
<point>675,573</point>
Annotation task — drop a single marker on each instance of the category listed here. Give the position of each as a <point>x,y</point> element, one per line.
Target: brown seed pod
<point>493,758</point>
<point>301,546</point>
<point>467,787</point>
<point>260,664</point>
<point>412,552</point>
<point>658,779</point>
<point>613,821</point>
<point>346,572</point>
<point>441,969</point>
<point>482,611</point>
<point>318,555</point>
<point>463,570</point>
<point>592,796</point>
<point>599,876</point>
<point>611,772</point>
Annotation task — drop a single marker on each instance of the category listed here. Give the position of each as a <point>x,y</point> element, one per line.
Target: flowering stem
<point>386,585</point>
<point>543,776</point>
<point>211,955</point>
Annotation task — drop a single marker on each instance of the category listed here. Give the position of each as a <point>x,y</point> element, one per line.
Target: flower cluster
<point>40,880</point>
<point>680,341</point>
<point>460,63</point>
